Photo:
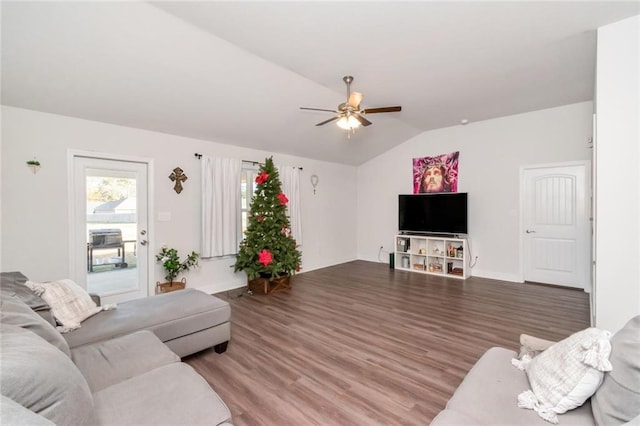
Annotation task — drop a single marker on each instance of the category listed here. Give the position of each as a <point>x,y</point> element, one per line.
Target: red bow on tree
<point>264,257</point>
<point>283,199</point>
<point>262,177</point>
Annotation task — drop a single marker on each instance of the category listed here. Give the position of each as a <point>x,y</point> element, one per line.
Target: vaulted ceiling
<point>238,72</point>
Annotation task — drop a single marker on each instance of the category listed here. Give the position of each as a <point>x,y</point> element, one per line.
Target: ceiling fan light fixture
<point>349,115</point>
<point>348,123</point>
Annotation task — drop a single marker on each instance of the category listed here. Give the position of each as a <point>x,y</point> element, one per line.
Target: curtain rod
<point>199,156</point>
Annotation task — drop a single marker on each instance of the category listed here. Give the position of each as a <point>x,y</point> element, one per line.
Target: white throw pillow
<point>564,376</point>
<point>70,303</point>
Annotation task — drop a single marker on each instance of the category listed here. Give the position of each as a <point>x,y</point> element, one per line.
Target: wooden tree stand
<point>265,286</point>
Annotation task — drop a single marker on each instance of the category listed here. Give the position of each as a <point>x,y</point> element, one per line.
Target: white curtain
<point>221,206</point>
<point>290,177</point>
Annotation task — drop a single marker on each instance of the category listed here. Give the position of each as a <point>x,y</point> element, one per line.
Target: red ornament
<point>262,177</point>
<point>283,199</point>
<point>264,257</point>
<point>260,218</point>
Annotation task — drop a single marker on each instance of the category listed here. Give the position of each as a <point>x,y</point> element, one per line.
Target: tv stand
<point>434,255</point>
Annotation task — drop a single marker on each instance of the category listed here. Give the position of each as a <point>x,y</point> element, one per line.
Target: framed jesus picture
<point>436,174</point>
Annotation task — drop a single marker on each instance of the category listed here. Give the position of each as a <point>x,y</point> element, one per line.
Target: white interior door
<point>110,202</point>
<point>556,226</point>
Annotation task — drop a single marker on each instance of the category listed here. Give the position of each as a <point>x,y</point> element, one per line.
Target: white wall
<point>35,208</point>
<point>35,228</point>
<point>617,282</point>
<point>491,154</point>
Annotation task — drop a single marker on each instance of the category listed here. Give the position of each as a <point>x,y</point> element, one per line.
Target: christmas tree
<point>268,249</point>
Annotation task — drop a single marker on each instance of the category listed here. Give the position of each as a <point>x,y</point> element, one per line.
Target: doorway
<point>110,222</point>
<point>556,227</point>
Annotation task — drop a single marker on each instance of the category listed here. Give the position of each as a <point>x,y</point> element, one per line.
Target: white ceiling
<point>237,72</point>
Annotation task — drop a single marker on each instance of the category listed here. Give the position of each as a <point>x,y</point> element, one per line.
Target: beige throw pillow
<point>70,303</point>
<point>564,376</point>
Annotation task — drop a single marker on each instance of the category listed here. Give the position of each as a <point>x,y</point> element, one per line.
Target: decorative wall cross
<point>178,177</point>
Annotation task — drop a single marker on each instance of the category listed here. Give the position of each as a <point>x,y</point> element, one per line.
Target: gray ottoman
<point>187,321</point>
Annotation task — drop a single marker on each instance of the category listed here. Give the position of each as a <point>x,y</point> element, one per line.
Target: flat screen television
<point>442,213</point>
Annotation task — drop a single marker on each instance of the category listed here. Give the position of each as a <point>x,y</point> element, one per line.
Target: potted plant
<point>34,165</point>
<point>172,267</point>
<point>268,253</point>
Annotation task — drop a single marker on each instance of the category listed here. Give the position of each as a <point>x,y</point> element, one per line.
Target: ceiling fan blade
<point>320,109</point>
<point>382,109</point>
<point>327,121</point>
<point>354,99</point>
<point>362,120</point>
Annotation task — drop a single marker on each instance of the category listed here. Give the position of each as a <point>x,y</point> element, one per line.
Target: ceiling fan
<point>350,114</point>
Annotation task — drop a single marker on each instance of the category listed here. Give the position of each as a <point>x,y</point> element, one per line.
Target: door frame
<point>589,205</point>
<point>73,254</point>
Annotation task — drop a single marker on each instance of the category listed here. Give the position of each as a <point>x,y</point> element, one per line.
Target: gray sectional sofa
<point>187,321</point>
<point>488,394</point>
<point>117,371</point>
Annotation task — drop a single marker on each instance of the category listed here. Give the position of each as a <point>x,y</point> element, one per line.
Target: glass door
<point>111,228</point>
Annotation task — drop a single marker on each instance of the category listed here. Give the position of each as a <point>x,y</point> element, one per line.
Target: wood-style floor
<point>360,344</point>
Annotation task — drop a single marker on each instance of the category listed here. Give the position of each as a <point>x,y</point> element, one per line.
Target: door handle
<point>143,242</point>
<point>530,232</point>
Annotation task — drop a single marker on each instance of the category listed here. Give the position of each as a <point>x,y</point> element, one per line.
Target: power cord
<point>235,294</point>
<point>380,252</point>
<point>475,260</point>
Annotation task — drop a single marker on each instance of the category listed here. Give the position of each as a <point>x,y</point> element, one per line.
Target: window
<point>248,187</point>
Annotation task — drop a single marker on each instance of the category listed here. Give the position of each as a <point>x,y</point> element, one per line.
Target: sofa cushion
<point>106,363</point>
<point>168,315</point>
<point>42,379</point>
<point>15,414</point>
<point>617,400</point>
<point>14,311</point>
<point>488,395</point>
<point>69,302</point>
<point>143,400</point>
<point>12,284</point>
